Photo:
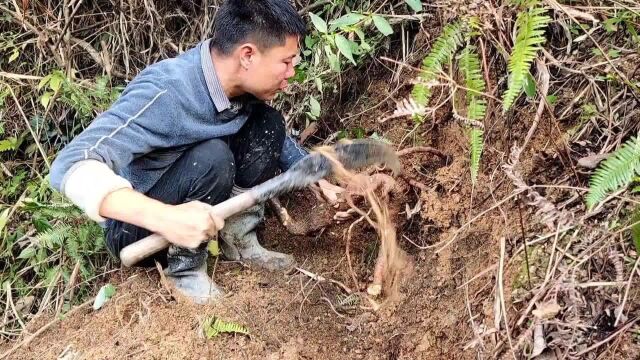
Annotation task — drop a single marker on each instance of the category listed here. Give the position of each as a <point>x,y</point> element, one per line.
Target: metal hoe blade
<point>351,154</point>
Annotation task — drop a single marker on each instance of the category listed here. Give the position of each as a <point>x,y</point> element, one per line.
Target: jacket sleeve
<point>291,153</point>
<point>87,169</point>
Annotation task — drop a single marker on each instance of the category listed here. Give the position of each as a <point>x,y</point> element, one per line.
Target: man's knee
<point>211,164</point>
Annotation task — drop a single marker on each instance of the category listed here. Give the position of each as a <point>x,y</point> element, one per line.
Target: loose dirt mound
<point>293,316</point>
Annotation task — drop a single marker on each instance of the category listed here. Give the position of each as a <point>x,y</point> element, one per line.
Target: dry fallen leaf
<point>592,161</point>
<point>539,343</point>
<point>416,209</point>
<point>547,310</point>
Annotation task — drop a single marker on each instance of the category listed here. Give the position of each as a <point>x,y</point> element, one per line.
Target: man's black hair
<point>264,22</point>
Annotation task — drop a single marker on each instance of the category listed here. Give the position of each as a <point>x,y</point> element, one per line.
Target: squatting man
<point>190,131</point>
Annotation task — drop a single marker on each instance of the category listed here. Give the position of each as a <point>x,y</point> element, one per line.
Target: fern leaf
<point>476,109</point>
<point>406,107</point>
<point>348,300</point>
<point>443,49</point>
<point>615,172</point>
<point>477,145</point>
<point>73,247</point>
<point>472,71</point>
<point>530,29</point>
<point>53,238</point>
<point>474,82</point>
<point>93,237</point>
<point>420,94</point>
<point>214,326</point>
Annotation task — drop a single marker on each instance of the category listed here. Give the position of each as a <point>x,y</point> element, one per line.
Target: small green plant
<point>623,20</point>
<point>45,241</point>
<point>10,143</point>
<point>11,187</point>
<point>8,46</point>
<point>469,63</point>
<point>354,133</point>
<point>615,172</point>
<point>104,294</point>
<point>214,326</point>
<point>338,36</point>
<point>87,101</point>
<point>530,28</point>
<point>335,44</point>
<point>448,43</point>
<point>588,111</point>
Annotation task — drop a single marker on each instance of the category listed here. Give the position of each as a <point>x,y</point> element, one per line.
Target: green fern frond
<point>59,211</point>
<point>421,94</point>
<point>471,70</point>
<point>445,46</point>
<point>476,109</point>
<point>73,248</point>
<point>443,49</point>
<point>214,326</point>
<point>93,237</point>
<point>477,145</point>
<point>615,172</point>
<point>53,238</point>
<point>88,234</point>
<point>530,29</point>
<point>469,64</point>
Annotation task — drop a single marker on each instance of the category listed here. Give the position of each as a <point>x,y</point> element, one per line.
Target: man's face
<point>267,71</point>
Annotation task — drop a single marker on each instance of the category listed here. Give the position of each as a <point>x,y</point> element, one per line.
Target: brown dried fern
<point>548,213</point>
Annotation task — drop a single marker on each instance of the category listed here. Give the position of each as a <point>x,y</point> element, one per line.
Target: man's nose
<point>290,72</point>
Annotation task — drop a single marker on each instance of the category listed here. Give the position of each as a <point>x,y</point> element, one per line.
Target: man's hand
<point>188,225</point>
<point>185,225</point>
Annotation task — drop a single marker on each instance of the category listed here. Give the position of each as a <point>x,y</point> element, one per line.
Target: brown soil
<point>289,316</point>
<point>449,295</point>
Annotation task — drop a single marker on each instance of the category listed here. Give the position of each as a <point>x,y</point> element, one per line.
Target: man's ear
<point>247,53</point>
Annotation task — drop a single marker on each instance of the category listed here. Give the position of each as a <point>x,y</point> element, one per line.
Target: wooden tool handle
<point>150,245</point>
<point>142,249</point>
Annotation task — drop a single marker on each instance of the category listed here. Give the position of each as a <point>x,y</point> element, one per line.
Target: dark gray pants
<point>208,170</point>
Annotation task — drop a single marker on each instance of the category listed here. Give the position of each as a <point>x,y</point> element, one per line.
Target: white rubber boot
<point>240,241</point>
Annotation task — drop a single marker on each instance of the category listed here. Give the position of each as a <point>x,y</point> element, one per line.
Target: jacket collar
<point>220,99</point>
